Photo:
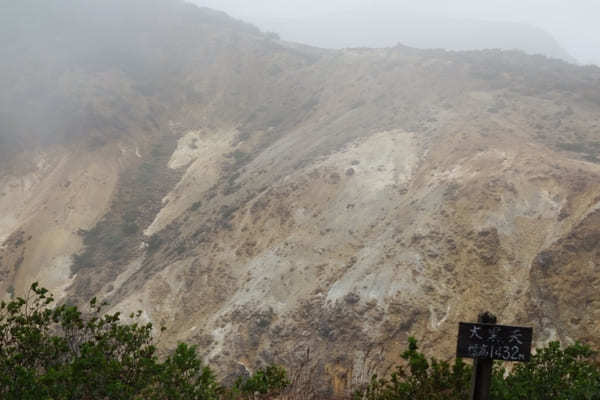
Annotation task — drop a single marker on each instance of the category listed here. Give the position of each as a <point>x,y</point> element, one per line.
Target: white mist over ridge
<point>556,29</point>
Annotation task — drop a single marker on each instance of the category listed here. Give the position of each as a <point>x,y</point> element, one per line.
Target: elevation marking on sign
<point>498,342</point>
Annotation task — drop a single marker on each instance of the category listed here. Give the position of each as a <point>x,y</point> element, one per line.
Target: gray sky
<point>573,23</point>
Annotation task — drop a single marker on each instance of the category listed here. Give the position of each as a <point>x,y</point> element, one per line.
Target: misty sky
<point>573,23</point>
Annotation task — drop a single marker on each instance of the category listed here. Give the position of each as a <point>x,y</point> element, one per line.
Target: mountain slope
<point>260,198</point>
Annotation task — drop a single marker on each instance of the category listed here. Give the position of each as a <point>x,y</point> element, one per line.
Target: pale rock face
<point>200,154</point>
<point>45,208</point>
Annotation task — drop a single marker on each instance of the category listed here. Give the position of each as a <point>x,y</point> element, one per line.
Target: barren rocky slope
<point>261,198</point>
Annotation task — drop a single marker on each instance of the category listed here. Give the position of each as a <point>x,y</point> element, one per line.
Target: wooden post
<point>482,367</point>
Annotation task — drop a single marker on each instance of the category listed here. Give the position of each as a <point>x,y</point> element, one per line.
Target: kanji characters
<point>475,332</point>
<point>515,337</point>
<point>493,333</point>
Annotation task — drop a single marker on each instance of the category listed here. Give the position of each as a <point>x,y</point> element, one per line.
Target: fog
<point>55,52</point>
<point>557,28</point>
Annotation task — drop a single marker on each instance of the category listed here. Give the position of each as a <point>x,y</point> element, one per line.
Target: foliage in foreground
<point>420,379</point>
<point>60,353</point>
<point>551,374</point>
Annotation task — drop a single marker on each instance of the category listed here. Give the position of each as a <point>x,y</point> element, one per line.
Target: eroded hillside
<point>261,198</point>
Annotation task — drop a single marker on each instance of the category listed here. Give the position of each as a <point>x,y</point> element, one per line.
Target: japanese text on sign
<point>499,342</point>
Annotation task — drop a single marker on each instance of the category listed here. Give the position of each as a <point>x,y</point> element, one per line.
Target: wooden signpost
<point>485,341</point>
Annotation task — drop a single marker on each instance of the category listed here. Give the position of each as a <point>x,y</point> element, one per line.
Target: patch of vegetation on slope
<point>12,255</point>
<point>117,237</point>
<point>589,151</point>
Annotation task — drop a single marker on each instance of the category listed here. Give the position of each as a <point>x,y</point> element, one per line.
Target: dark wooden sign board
<point>485,342</point>
<point>497,342</point>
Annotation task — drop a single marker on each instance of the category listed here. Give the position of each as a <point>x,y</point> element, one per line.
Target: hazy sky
<point>573,23</point>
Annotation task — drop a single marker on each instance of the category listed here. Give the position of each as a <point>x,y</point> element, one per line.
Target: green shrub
<point>551,374</point>
<point>154,243</point>
<point>130,228</point>
<point>62,353</point>
<point>265,382</point>
<point>420,379</point>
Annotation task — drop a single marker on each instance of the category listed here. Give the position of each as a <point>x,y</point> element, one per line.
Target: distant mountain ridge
<point>372,29</point>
